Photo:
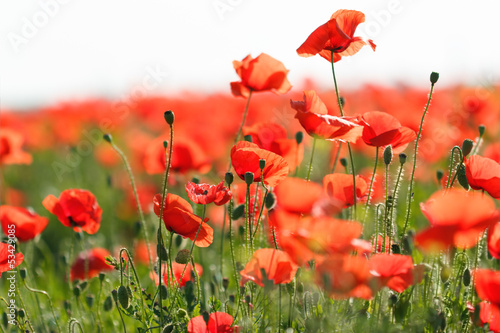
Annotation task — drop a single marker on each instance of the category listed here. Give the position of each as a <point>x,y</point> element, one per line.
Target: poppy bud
<point>21,313</point>
<point>206,316</point>
<point>114,293</point>
<point>466,277</point>
<point>343,162</point>
<point>300,287</point>
<point>402,158</point>
<point>169,117</point>
<point>467,147</point>
<point>162,252</point>
<point>434,77</point>
<point>231,298</point>
<point>108,304</point>
<point>393,299</point>
<point>262,163</point>
<point>107,137</point>
<point>5,319</point>
<point>248,299</point>
<point>163,291</point>
<point>165,144</point>
<point>249,178</point>
<point>195,180</point>
<point>76,291</point>
<point>83,285</point>
<point>225,283</point>
<point>238,212</point>
<point>270,201</point>
<point>248,138</point>
<point>396,249</point>
<point>23,273</point>
<point>299,136</point>
<point>168,329</point>
<point>462,177</point>
<point>101,276</point>
<point>178,240</point>
<point>290,287</point>
<point>388,155</point>
<point>439,175</point>
<point>229,178</point>
<point>481,129</point>
<point>445,273</point>
<point>90,300</point>
<point>183,256</point>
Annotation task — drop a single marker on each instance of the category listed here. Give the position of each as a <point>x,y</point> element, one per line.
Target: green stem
<point>452,159</point>
<point>50,302</point>
<point>242,124</point>
<point>336,157</point>
<point>476,147</point>
<point>395,193</point>
<point>311,162</point>
<point>339,102</point>
<point>371,185</point>
<point>410,190</point>
<point>198,283</point>
<point>231,247</point>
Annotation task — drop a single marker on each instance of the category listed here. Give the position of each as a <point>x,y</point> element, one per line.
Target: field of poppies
<point>269,209</point>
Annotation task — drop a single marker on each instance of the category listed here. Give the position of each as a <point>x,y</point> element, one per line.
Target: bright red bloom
<point>6,256</point>
<point>457,218</point>
<point>77,209</point>
<point>96,261</point>
<point>204,194</point>
<point>494,240</point>
<point>277,264</point>
<point>178,269</point>
<point>483,174</point>
<point>263,73</point>
<point>313,116</point>
<point>11,143</point>
<point>488,289</point>
<point>395,271</point>
<point>178,217</point>
<point>245,157</point>
<point>336,35</point>
<point>339,186</point>
<point>27,225</point>
<point>297,195</point>
<point>382,129</point>
<point>218,322</point>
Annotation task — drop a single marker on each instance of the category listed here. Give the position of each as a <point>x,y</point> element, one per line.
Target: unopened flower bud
<point>76,291</point>
<point>165,144</point>
<point>467,147</point>
<point>481,129</point>
<point>249,177</point>
<point>195,180</point>
<point>101,276</point>
<point>434,77</point>
<point>225,283</point>
<point>21,313</point>
<point>445,273</point>
<point>262,163</point>
<point>248,138</point>
<point>439,175</point>
<point>163,291</point>
<point>178,240</point>
<point>402,158</point>
<point>183,256</point>
<point>462,176</point>
<point>229,178</point>
<point>388,155</point>
<point>162,252</point>
<point>238,212</point>
<point>270,201</point>
<point>169,117</point>
<point>23,272</point>
<point>107,137</point>
<point>343,162</point>
<point>89,299</point>
<point>466,277</point>
<point>108,304</point>
<point>299,136</point>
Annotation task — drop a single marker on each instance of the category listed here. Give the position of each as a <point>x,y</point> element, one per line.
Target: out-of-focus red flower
<point>11,152</point>
<point>204,194</point>
<point>263,73</point>
<point>239,197</point>
<point>492,151</point>
<point>395,271</point>
<point>218,322</point>
<point>25,224</point>
<point>178,269</point>
<point>6,256</point>
<point>345,276</point>
<point>337,36</point>
<point>313,116</point>
<point>141,252</point>
<point>96,261</point>
<point>178,217</point>
<point>382,129</point>
<point>273,137</point>
<point>457,219</point>
<point>483,174</point>
<point>378,244</point>
<point>297,195</point>
<point>339,186</point>
<point>277,264</point>
<point>488,289</point>
<point>494,240</point>
<point>76,208</point>
<point>245,157</point>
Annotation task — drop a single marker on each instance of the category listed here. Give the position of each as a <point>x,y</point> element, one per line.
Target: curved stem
<point>311,162</point>
<point>452,159</point>
<point>50,302</point>
<point>371,185</point>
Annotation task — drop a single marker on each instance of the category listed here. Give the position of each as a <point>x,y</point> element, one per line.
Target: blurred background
<point>54,50</point>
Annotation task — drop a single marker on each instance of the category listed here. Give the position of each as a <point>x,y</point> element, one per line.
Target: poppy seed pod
<point>481,129</point>
<point>299,136</point>
<point>434,77</point>
<point>343,162</point>
<point>262,164</point>
<point>229,178</point>
<point>107,137</point>
<point>169,117</point>
<point>183,256</point>
<point>249,177</point>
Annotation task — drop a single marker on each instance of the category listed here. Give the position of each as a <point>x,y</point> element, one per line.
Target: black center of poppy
<point>205,192</point>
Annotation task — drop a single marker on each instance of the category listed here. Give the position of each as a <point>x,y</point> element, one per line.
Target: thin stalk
<point>242,124</point>
<point>476,147</point>
<point>371,185</point>
<point>131,263</point>
<point>311,161</point>
<point>395,193</point>
<point>231,247</point>
<point>452,159</point>
<point>336,157</point>
<point>387,208</point>
<point>198,283</point>
<point>50,302</point>
<point>410,190</point>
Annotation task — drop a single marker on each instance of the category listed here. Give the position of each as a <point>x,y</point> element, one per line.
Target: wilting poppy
<point>277,265</point>
<point>483,174</point>
<point>218,322</point>
<point>313,116</point>
<point>94,260</point>
<point>245,157</point>
<point>25,224</point>
<point>337,36</point>
<point>179,218</point>
<point>488,289</point>
<point>178,269</point>
<point>11,152</point>
<point>263,73</point>
<point>457,218</point>
<point>9,260</point>
<point>339,186</point>
<point>204,194</point>
<point>77,209</point>
<point>382,129</point>
<point>494,240</point>
<point>395,271</point>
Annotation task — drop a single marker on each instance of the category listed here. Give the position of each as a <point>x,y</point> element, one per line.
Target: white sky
<point>91,48</point>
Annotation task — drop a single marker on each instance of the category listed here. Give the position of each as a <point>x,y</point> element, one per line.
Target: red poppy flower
<point>297,195</point>
<point>339,187</point>
<point>490,314</point>
<point>488,289</point>
<point>494,240</point>
<point>11,143</point>
<point>204,194</point>
<point>345,276</point>
<point>336,35</point>
<point>76,208</point>
<point>483,174</point>
<point>141,254</point>
<point>27,225</point>
<point>218,322</point>
<point>6,257</point>
<point>245,157</point>
<point>277,264</point>
<point>395,271</point>
<point>382,129</point>
<point>96,261</point>
<point>178,269</point>
<point>313,116</point>
<point>457,218</point>
<point>263,73</point>
<point>179,218</point>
